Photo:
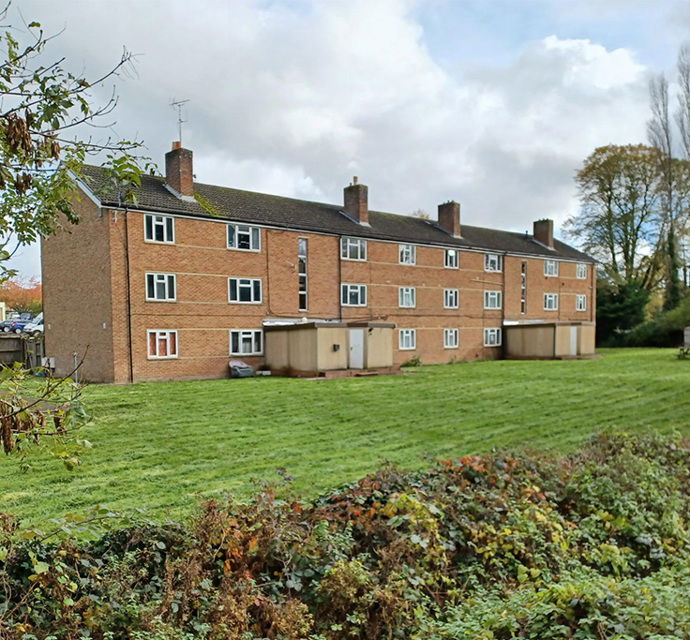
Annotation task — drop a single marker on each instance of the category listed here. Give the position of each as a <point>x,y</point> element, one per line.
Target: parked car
<point>14,322</point>
<point>35,327</point>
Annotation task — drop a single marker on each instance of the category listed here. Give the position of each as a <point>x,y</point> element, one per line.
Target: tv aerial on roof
<point>178,104</point>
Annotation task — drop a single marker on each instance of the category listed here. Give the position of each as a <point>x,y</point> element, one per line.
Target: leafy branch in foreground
<point>45,109</point>
<point>41,413</point>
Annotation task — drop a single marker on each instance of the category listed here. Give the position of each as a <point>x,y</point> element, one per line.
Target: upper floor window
<point>246,342</point>
<point>407,339</point>
<point>244,237</point>
<point>450,298</point>
<point>302,273</point>
<point>550,302</point>
<point>452,258</point>
<point>582,270</point>
<point>160,286</point>
<point>551,268</point>
<point>353,249</point>
<point>159,228</point>
<point>244,290</point>
<point>353,295</point>
<point>407,296</point>
<point>581,302</point>
<point>493,299</point>
<point>493,262</point>
<point>162,344</point>
<point>408,254</point>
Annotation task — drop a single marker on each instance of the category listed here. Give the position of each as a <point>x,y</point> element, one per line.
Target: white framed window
<point>550,268</point>
<point>353,249</point>
<point>162,344</point>
<point>408,254</point>
<point>451,299</point>
<point>161,286</point>
<point>407,339</point>
<point>492,337</point>
<point>493,262</point>
<point>243,237</point>
<point>452,259</point>
<point>450,338</point>
<point>550,302</point>
<point>244,290</point>
<point>159,228</point>
<point>493,299</point>
<point>582,270</point>
<point>353,295</point>
<point>246,342</point>
<point>407,297</point>
<point>303,278</point>
<point>581,302</point>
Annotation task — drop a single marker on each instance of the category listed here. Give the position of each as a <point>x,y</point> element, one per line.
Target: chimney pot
<point>179,174</point>
<point>543,232</point>
<point>449,217</point>
<point>357,201</point>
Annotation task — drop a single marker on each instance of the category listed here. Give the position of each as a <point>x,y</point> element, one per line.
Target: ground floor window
<point>450,338</point>
<point>407,339</point>
<point>246,342</point>
<point>492,337</point>
<point>162,343</point>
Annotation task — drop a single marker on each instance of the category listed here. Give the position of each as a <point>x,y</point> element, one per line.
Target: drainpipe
<point>129,299</point>
<point>340,279</point>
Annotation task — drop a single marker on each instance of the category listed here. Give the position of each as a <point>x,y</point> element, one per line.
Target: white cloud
<point>296,99</point>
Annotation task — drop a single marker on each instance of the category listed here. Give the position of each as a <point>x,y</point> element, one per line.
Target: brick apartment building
<point>173,287</point>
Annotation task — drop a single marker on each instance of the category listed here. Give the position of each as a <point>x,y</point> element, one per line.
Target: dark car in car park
<point>16,323</point>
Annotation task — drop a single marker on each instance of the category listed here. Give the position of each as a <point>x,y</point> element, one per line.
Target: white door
<point>573,341</point>
<point>356,349</point>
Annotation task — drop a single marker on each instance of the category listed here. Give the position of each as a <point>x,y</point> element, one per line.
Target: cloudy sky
<point>493,103</point>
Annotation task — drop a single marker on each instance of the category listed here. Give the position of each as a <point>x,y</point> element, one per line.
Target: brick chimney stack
<point>179,174</point>
<point>357,201</point>
<point>543,232</point>
<point>449,217</point>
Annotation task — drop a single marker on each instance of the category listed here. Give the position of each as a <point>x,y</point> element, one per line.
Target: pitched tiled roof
<point>277,211</point>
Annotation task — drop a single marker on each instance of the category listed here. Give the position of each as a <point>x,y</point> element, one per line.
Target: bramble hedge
<point>591,545</point>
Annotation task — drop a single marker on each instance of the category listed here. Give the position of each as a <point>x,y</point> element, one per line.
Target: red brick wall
<point>76,295</point>
<point>203,316</point>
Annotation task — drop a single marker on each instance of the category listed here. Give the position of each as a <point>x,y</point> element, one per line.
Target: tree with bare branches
<point>48,123</point>
<point>620,215</point>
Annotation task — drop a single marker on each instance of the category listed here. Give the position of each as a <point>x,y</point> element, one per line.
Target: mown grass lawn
<point>162,446</point>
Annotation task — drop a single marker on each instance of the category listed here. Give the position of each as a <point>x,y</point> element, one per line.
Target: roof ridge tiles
<point>242,205</point>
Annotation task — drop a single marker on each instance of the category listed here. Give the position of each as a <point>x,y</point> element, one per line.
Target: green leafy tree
<point>44,112</point>
<point>45,109</point>
<point>620,307</point>
<point>619,219</point>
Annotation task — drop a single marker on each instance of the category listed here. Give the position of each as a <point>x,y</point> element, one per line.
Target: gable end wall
<point>77,299</point>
